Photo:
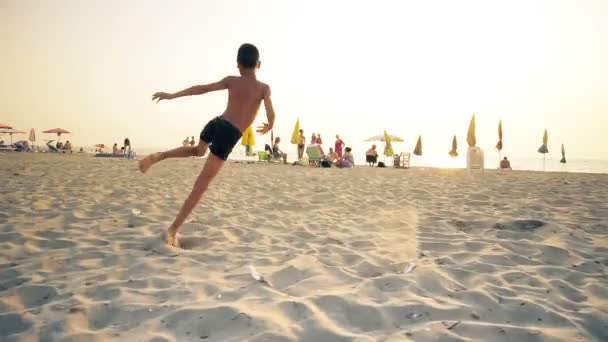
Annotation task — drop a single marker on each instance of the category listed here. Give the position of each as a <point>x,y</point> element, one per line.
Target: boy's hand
<point>265,128</point>
<point>161,96</point>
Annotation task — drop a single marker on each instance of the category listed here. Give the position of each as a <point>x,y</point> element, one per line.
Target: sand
<point>339,255</point>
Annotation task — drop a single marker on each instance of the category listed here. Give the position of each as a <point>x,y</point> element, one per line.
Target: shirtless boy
<point>245,94</point>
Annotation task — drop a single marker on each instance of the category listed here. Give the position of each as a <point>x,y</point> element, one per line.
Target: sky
<point>349,67</point>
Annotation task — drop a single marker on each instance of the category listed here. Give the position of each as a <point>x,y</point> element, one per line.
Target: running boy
<point>245,94</point>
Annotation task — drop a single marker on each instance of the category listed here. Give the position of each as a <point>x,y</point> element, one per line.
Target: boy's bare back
<point>245,94</point>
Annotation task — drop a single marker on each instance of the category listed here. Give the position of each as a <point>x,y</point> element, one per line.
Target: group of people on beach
<point>340,155</point>
<point>125,150</point>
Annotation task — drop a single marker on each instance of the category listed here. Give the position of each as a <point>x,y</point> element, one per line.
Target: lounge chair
<point>372,160</point>
<point>264,156</point>
<point>402,161</point>
<point>475,159</point>
<point>51,147</point>
<point>7,148</point>
<point>314,156</point>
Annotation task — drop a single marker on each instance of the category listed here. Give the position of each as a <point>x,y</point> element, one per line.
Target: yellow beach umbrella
<point>248,140</point>
<point>471,140</point>
<point>388,148</point>
<point>295,136</point>
<point>418,148</point>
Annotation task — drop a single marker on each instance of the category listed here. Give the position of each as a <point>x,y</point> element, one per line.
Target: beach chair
<point>402,161</point>
<point>314,156</point>
<point>7,148</point>
<point>475,159</point>
<point>51,147</point>
<point>264,156</point>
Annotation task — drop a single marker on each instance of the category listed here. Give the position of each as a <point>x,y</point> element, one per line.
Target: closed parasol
<point>454,152</point>
<point>418,148</point>
<point>295,135</point>
<point>563,160</point>
<point>499,144</point>
<point>471,139</point>
<point>543,148</point>
<point>32,136</point>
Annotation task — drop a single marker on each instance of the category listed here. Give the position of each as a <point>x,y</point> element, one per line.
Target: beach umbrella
<point>10,132</point>
<point>100,145</point>
<point>248,140</point>
<point>454,152</point>
<point>499,144</point>
<point>58,131</point>
<point>295,135</point>
<point>418,148</point>
<point>543,148</point>
<point>471,140</point>
<point>563,161</point>
<point>388,148</point>
<point>32,136</point>
<point>2,126</point>
<point>382,138</point>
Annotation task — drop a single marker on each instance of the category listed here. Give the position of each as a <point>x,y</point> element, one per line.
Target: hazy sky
<point>349,67</point>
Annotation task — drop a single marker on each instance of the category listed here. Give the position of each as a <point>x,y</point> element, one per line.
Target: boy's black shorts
<point>221,136</point>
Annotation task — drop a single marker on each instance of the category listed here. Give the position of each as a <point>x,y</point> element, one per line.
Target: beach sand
<point>344,255</point>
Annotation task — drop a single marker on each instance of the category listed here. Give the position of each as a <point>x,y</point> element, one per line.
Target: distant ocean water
<point>444,161</point>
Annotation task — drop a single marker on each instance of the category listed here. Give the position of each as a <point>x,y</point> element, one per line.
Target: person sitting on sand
<point>68,146</point>
<point>331,157</point>
<point>277,153</point>
<point>371,156</point>
<point>505,164</point>
<point>220,135</point>
<point>348,160</point>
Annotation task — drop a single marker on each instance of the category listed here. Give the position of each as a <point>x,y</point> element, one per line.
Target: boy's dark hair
<point>248,56</point>
<point>348,149</point>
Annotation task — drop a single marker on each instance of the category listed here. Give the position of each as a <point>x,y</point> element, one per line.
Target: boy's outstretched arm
<point>269,112</point>
<point>195,90</point>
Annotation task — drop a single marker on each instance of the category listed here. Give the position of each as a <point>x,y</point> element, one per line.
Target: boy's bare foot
<point>172,237</point>
<point>147,162</point>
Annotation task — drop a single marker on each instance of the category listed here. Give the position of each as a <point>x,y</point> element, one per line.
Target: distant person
<point>127,145</point>
<point>301,144</point>
<point>186,142</point>
<point>371,156</point>
<point>192,142</point>
<point>277,153</point>
<point>220,135</point>
<point>67,146</point>
<point>331,157</point>
<point>313,139</point>
<point>348,160</point>
<point>115,150</point>
<point>59,145</point>
<point>319,140</point>
<point>505,164</point>
<point>338,146</point>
